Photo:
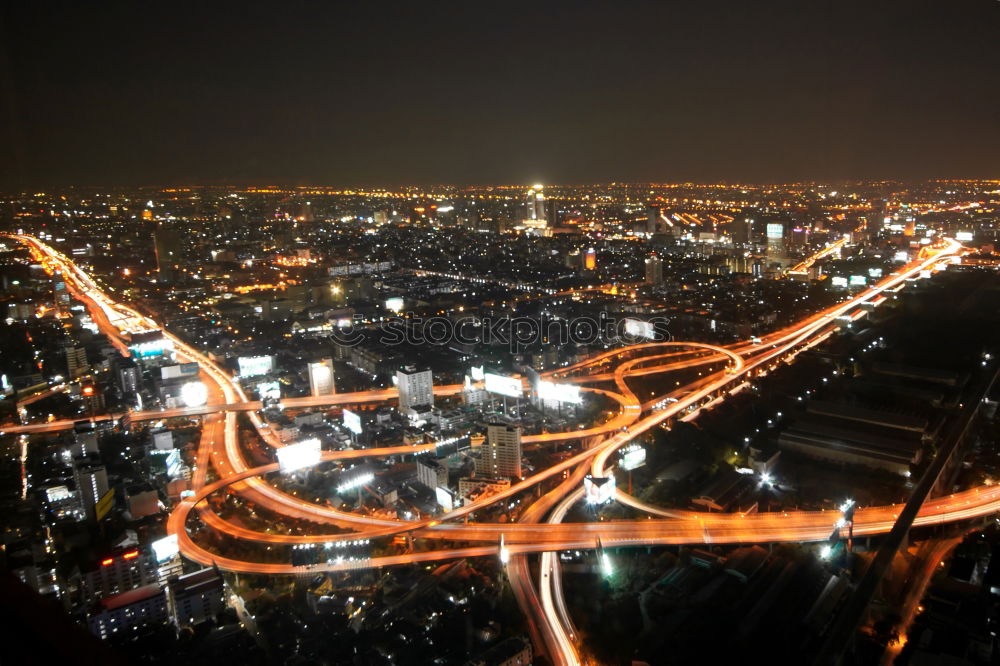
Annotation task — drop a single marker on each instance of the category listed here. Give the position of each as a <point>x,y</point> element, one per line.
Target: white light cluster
<point>352,422</point>
<point>354,483</point>
<point>501,385</point>
<point>302,454</point>
<point>559,392</point>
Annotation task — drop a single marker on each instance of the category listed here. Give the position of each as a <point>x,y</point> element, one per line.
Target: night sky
<point>376,93</point>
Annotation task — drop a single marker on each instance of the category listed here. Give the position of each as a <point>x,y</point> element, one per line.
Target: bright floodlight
<point>766,479</point>
<point>826,551</point>
<point>302,454</point>
<point>504,552</point>
<point>194,394</point>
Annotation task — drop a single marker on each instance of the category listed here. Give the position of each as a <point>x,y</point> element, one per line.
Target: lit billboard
<point>269,390</point>
<point>352,422</point>
<point>477,374</point>
<point>858,281</point>
<point>632,457</point>
<point>253,366</point>
<point>639,329</point>
<point>296,456</point>
<point>963,236</point>
<point>559,392</point>
<point>598,489</point>
<point>165,548</point>
<point>394,304</point>
<point>501,385</point>
<point>775,230</point>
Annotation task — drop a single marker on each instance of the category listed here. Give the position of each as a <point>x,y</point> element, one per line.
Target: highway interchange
<point>541,528</point>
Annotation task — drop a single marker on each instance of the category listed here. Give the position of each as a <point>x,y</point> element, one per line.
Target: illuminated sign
<point>839,281</point>
<point>165,548</point>
<point>598,489</point>
<point>253,366</point>
<point>296,456</point>
<point>559,392</point>
<point>963,236</point>
<point>445,498</point>
<point>632,457</point>
<point>501,385</point>
<point>902,256</point>
<point>151,348</point>
<point>269,390</point>
<point>352,422</point>
<point>182,370</point>
<point>858,281</point>
<point>321,379</point>
<point>639,329</point>
<point>875,272</point>
<point>477,374</point>
<point>104,505</point>
<point>775,230</point>
<point>394,304</point>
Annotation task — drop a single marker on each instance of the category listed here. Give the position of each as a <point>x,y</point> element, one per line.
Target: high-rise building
<point>534,204</point>
<point>84,440</point>
<point>91,482</point>
<point>500,455</point>
<point>117,573</point>
<point>127,613</point>
<point>652,218</point>
<point>431,473</point>
<point>167,243</point>
<point>321,377</point>
<point>76,361</point>
<point>128,379</point>
<point>196,597</point>
<point>590,259</point>
<point>654,270</point>
<point>416,387</point>
<point>60,294</point>
<point>742,232</point>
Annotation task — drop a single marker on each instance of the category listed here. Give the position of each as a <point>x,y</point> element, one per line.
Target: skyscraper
<point>500,455</point>
<point>534,204</point>
<point>652,218</point>
<point>91,482</point>
<point>416,387</point>
<point>654,270</point>
<point>76,361</point>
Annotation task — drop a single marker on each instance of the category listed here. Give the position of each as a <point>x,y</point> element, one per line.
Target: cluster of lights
<point>356,482</point>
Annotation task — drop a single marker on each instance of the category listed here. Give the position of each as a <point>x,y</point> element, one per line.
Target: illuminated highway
<point>728,369</point>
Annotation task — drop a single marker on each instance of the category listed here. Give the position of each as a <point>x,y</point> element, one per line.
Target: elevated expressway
<point>729,368</point>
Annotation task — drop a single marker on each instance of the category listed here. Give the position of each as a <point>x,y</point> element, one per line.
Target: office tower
<point>129,613</point>
<point>431,472</point>
<point>167,243</point>
<point>93,399</point>
<point>534,204</point>
<point>321,378</point>
<point>196,597</point>
<point>590,259</point>
<point>500,455</point>
<point>652,218</point>
<point>76,361</point>
<point>91,482</point>
<point>416,387</point>
<point>61,299</point>
<point>84,440</point>
<point>128,379</point>
<point>742,232</point>
<point>654,270</point>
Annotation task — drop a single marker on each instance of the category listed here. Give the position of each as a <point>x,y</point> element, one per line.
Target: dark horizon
<point>366,96</point>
